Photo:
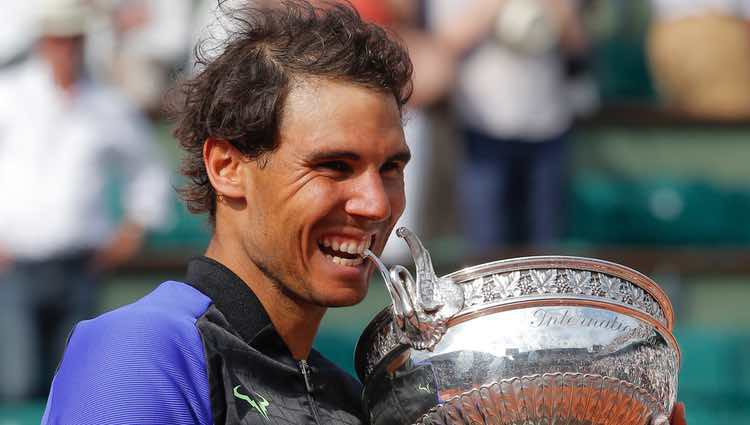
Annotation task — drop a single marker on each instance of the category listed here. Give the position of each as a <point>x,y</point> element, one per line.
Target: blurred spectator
<point>514,112</point>
<point>139,44</point>
<point>381,12</point>
<point>60,135</point>
<point>699,52</point>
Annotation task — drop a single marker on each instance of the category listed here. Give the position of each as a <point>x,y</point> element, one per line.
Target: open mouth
<point>345,251</point>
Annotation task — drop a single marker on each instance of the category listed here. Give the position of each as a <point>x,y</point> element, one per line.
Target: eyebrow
<point>403,156</point>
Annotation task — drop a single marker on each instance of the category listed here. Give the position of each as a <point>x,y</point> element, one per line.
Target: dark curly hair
<point>239,91</point>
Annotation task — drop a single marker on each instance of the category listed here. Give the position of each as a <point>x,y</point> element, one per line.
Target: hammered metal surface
<point>556,398</point>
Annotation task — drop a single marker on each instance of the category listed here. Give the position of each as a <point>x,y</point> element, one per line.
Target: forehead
<point>324,113</point>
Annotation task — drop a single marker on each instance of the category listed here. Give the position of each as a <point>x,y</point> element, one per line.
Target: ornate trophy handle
<point>421,308</point>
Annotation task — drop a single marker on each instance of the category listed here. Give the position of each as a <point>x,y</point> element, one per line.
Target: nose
<point>369,198</point>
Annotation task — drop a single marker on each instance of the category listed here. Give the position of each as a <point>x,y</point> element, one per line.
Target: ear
<point>223,165</point>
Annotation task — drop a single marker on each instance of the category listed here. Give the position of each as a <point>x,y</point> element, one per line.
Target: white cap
<point>63,18</point>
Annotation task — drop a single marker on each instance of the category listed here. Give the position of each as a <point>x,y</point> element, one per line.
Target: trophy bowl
<point>527,341</point>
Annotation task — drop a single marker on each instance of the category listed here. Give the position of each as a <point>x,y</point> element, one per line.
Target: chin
<point>343,297</point>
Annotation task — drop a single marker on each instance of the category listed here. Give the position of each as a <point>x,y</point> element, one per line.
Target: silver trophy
<point>527,341</point>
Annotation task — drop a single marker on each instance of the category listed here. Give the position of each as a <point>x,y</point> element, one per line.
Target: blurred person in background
<point>61,134</point>
<point>514,113</point>
<point>140,45</point>
<point>699,52</point>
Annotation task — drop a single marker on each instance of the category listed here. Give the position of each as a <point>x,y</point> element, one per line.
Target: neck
<point>295,320</point>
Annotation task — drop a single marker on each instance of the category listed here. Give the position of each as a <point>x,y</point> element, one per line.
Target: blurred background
<point>615,129</point>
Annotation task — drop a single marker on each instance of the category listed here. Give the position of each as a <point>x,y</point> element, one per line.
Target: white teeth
<point>345,261</point>
<point>346,246</point>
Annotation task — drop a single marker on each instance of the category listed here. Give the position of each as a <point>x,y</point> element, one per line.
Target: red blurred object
<point>376,11</point>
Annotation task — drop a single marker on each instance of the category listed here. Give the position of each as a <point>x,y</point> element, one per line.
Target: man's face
<point>333,187</point>
<point>65,56</point>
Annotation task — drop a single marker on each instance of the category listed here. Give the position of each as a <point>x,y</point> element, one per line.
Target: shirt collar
<point>231,295</point>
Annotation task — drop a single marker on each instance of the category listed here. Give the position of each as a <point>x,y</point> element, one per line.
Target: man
<point>61,134</point>
<point>514,113</point>
<point>295,148</point>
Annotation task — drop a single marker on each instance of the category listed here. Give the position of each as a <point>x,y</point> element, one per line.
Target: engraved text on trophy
<point>543,318</point>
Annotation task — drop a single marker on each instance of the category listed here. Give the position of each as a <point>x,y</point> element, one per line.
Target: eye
<point>337,166</point>
<point>393,168</point>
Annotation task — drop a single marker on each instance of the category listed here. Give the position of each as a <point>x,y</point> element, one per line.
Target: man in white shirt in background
<point>60,137</point>
<point>513,110</point>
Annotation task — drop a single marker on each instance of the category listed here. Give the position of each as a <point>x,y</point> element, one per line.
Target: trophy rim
<point>571,262</point>
<point>470,273</point>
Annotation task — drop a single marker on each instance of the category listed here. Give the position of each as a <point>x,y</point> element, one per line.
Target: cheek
<point>312,204</point>
<point>397,198</point>
<point>321,189</point>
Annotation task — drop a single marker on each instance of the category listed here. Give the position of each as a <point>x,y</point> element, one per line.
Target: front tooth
<point>361,247</point>
<point>344,247</point>
<point>352,248</point>
<point>353,262</point>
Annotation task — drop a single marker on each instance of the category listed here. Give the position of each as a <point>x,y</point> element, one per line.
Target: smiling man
<point>294,147</point>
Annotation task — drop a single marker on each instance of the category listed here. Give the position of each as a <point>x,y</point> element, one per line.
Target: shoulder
<point>10,77</point>
<point>136,364</point>
<point>109,103</point>
<point>105,94</point>
<point>19,82</point>
<point>168,313</point>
